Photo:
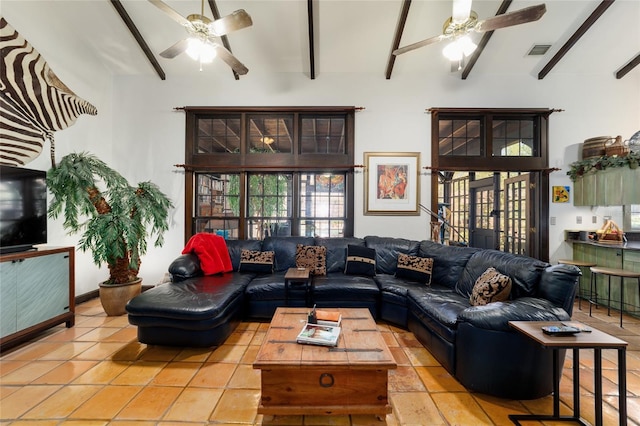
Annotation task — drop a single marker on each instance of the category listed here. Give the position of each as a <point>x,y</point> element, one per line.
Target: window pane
<point>270,134</point>
<point>217,204</point>
<point>217,194</point>
<point>270,195</point>
<point>322,204</point>
<point>460,137</point>
<point>322,135</point>
<point>218,135</point>
<point>514,138</point>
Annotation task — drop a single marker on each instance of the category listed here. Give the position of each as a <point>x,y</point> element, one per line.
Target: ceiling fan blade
<point>233,22</point>
<point>419,44</point>
<point>175,50</point>
<point>231,60</point>
<point>169,11</point>
<point>461,11</point>
<point>522,16</point>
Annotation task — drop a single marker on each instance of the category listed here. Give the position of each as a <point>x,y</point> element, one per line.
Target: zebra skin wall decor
<point>34,103</point>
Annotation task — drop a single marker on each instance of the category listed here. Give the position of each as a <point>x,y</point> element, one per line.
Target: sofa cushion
<point>415,268</point>
<point>524,272</point>
<point>339,287</point>
<point>387,250</point>
<point>491,286</point>
<point>314,258</point>
<point>235,248</point>
<point>437,309</point>
<point>285,250</point>
<point>448,261</point>
<point>260,262</point>
<point>496,316</point>
<point>194,299</point>
<point>360,261</point>
<point>337,250</point>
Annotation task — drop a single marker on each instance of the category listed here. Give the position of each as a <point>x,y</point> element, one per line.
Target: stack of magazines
<point>324,332</point>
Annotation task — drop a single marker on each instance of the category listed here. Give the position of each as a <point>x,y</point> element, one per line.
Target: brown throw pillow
<point>415,268</point>
<point>314,258</point>
<point>491,286</point>
<point>256,261</point>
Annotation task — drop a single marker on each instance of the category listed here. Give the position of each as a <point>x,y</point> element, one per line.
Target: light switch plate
<point>578,220</point>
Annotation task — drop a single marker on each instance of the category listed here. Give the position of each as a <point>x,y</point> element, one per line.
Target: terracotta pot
<point>114,297</point>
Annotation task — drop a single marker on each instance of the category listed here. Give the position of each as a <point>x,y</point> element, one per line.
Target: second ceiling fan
<point>465,21</point>
<point>202,43</point>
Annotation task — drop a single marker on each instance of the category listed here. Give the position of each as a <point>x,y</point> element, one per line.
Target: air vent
<point>538,49</point>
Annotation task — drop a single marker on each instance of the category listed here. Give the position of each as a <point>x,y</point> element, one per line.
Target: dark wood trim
<point>225,40</point>
<point>595,15</point>
<point>483,42</point>
<point>312,55</point>
<point>402,20</point>
<point>136,34</point>
<point>628,67</point>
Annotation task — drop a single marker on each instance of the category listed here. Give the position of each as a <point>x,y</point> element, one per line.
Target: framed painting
<point>561,194</point>
<point>392,184</point>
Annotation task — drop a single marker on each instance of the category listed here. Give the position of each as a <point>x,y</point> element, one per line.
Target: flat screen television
<point>23,208</point>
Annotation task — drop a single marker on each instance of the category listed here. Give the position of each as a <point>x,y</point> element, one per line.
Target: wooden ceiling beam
<point>595,15</point>
<point>402,20</point>
<point>483,42</point>
<point>628,67</point>
<point>312,54</point>
<point>225,40</point>
<point>138,37</point>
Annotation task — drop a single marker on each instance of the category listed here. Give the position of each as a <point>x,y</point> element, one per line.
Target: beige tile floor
<point>97,373</point>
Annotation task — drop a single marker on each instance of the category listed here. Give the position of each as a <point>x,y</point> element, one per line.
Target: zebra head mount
<point>202,44</point>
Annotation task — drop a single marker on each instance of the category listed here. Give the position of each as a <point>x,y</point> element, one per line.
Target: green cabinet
<point>36,292</point>
<point>610,257</point>
<point>610,187</point>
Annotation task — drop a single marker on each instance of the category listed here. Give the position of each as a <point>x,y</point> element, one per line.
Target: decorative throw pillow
<point>491,286</point>
<point>415,268</point>
<point>256,261</point>
<point>314,258</point>
<point>360,261</point>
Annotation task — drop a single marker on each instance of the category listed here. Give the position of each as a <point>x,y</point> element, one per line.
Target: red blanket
<point>212,251</point>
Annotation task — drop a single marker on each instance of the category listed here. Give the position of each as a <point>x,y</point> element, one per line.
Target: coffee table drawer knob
<point>326,380</point>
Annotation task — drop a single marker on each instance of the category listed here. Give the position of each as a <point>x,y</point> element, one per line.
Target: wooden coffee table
<point>350,378</point>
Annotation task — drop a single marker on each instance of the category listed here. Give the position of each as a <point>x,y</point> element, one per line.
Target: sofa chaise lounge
<point>474,343</point>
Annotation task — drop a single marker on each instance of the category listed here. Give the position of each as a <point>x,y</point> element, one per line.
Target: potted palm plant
<point>115,220</point>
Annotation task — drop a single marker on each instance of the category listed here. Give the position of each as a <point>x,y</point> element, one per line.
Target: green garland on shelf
<point>592,165</point>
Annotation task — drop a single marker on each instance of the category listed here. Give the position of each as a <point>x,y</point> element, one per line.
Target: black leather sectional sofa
<point>474,343</point>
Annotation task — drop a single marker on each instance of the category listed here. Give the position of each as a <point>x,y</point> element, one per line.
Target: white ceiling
<point>352,36</point>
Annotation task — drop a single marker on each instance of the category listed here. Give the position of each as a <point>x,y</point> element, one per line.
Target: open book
<point>317,334</point>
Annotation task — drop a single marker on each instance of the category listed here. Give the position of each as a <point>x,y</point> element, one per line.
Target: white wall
<point>394,119</point>
<point>138,132</point>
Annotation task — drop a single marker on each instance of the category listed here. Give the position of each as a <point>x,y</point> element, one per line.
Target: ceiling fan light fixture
<point>459,47</point>
<point>200,50</point>
<point>461,9</point>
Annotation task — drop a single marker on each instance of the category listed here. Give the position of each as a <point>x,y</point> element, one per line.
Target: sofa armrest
<point>496,315</point>
<point>185,266</point>
<point>559,284</point>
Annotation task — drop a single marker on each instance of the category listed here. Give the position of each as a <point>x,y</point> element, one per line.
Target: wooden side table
<point>298,276</point>
<point>596,340</point>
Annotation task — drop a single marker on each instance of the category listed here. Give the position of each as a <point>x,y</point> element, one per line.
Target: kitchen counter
<point>629,245</point>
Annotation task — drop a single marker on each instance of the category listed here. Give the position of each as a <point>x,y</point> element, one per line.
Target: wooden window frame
<point>244,162</point>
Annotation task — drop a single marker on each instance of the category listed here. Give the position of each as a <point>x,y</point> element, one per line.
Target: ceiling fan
<point>202,43</point>
<point>465,21</point>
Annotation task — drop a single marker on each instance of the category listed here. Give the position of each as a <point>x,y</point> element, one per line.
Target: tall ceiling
<point>350,36</point>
